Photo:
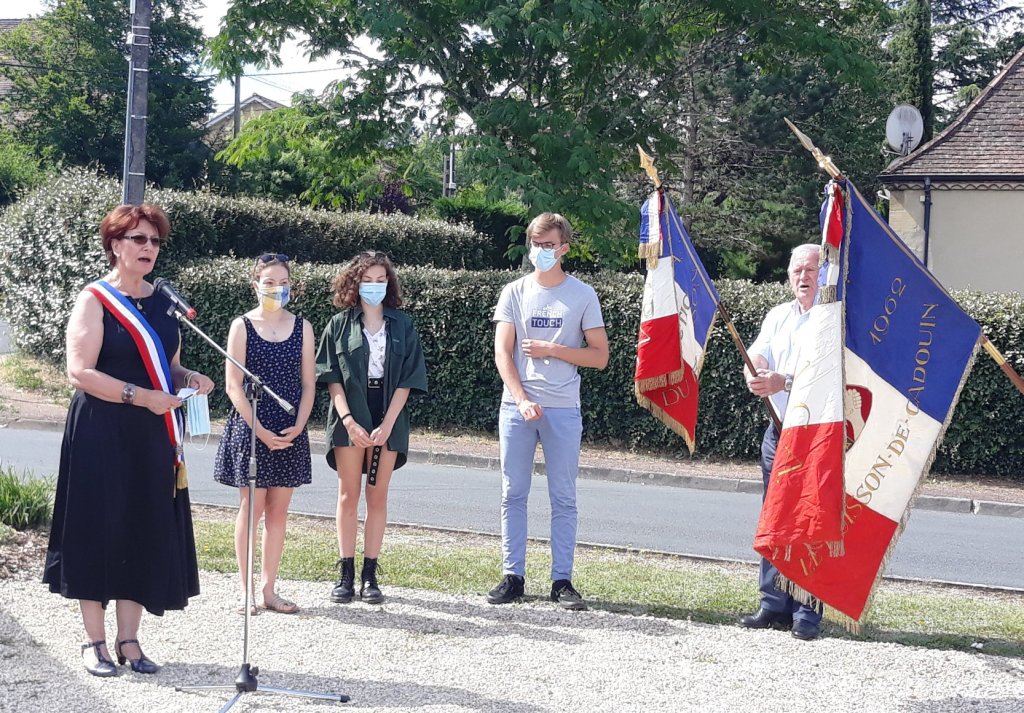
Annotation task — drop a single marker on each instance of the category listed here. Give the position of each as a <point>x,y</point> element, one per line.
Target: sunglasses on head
<point>270,257</point>
<point>141,240</point>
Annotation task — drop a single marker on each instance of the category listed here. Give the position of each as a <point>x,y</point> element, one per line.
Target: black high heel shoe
<point>139,665</point>
<point>103,667</point>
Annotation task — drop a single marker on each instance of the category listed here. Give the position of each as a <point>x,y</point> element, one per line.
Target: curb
<point>937,503</point>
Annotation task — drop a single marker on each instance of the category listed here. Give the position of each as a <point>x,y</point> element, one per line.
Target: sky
<point>295,74</point>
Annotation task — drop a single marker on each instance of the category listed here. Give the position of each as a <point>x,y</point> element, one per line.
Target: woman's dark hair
<point>125,217</point>
<point>345,286</point>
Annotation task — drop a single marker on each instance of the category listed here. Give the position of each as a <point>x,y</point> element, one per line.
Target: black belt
<point>371,472</point>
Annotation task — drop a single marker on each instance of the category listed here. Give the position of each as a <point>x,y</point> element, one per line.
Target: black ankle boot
<point>369,592</point>
<point>345,589</point>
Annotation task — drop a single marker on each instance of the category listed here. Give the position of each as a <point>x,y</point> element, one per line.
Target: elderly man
<point>774,356</point>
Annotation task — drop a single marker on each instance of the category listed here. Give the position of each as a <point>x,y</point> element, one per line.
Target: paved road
<point>977,549</point>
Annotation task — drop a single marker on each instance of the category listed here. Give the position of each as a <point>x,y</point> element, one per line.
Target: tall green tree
<point>556,92</point>
<point>913,69</point>
<point>69,96</point>
<point>944,52</point>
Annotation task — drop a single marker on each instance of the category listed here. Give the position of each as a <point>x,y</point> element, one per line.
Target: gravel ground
<point>424,650</point>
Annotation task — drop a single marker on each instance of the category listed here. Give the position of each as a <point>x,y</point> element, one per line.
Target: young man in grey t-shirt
<point>548,323</point>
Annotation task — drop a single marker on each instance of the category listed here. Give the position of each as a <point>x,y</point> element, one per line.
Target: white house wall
<point>976,237</point>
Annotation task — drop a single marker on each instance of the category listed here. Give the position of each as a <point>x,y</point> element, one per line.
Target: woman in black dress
<point>277,346</point>
<point>122,525</point>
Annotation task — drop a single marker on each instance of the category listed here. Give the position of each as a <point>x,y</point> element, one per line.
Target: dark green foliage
<point>70,92</point>
<point>25,502</point>
<point>557,93</point>
<point>504,221</point>
<point>453,309</point>
<point>20,169</point>
<point>49,245</point>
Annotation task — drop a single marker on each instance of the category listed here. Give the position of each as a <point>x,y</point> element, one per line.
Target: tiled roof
<point>987,139</point>
<point>245,104</point>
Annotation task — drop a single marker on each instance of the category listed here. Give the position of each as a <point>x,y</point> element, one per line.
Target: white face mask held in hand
<point>197,417</point>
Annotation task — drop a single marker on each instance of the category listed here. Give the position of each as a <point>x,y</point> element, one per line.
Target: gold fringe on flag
<point>181,477</point>
<point>671,423</point>
<point>650,252</point>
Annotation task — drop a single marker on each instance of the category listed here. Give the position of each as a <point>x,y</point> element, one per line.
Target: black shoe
<point>765,619</point>
<point>345,588</point>
<point>103,667</point>
<point>139,665</point>
<point>805,630</point>
<point>508,590</point>
<point>369,592</point>
<point>567,597</point>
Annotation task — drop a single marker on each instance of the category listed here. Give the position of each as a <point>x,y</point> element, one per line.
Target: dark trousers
<point>774,599</point>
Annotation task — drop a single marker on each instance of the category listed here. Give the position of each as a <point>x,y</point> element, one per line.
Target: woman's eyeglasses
<point>141,240</point>
<point>270,257</point>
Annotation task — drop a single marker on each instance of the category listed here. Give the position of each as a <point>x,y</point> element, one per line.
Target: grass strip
<point>634,583</point>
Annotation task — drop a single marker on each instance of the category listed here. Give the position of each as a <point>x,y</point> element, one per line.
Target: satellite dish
<point>904,128</point>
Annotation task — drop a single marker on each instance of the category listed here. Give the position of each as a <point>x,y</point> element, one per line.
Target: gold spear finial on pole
<point>824,161</point>
<point>647,164</point>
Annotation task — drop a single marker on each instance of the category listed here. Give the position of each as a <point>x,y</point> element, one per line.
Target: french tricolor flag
<point>907,349</point>
<point>803,508</point>
<point>677,315</point>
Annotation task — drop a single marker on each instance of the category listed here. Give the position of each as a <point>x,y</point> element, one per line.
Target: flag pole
<point>825,162</point>
<point>1011,374</point>
<point>647,164</point>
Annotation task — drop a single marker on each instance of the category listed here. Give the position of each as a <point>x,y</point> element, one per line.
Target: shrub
<point>496,219</point>
<point>20,171</point>
<point>49,246</point>
<point>25,502</point>
<point>453,309</point>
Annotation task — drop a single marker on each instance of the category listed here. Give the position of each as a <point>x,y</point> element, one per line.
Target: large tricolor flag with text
<point>803,509</point>
<point>907,349</point>
<point>676,318</point>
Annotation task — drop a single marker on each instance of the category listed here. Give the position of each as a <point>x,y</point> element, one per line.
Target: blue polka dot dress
<point>279,365</point>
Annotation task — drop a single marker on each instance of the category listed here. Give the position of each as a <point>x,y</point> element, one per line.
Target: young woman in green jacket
<point>371,360</point>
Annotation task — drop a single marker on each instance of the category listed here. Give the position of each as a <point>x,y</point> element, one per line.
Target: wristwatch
<point>788,385</point>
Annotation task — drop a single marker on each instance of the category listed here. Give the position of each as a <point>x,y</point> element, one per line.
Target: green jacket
<point>343,357</point>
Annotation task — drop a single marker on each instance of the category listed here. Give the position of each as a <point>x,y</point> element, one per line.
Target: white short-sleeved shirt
<point>559,314</point>
<point>378,344</point>
<point>776,343</point>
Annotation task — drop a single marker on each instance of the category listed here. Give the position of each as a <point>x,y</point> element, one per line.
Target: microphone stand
<point>246,681</point>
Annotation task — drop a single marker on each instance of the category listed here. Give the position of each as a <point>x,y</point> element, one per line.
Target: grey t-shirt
<point>555,314</point>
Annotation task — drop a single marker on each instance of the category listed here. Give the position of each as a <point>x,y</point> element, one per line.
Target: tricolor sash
<point>151,350</point>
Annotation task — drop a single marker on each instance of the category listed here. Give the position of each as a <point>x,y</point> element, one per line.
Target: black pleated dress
<point>120,529</point>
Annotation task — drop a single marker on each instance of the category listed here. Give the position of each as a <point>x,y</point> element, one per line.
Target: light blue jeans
<point>559,432</point>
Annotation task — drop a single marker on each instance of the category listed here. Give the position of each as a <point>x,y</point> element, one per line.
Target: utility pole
<point>449,186</point>
<point>237,126</point>
<point>134,174</point>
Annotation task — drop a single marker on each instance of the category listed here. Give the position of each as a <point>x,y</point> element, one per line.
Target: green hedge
<point>453,309</point>
<point>495,219</point>
<point>49,244</point>
<point>48,250</point>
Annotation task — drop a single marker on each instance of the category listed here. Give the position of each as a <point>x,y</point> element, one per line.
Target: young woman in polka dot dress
<point>279,348</point>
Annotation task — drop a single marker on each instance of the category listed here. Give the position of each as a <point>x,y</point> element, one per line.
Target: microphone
<point>178,303</point>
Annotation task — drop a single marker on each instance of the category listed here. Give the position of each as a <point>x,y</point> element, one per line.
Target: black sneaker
<point>510,589</point>
<point>566,595</point>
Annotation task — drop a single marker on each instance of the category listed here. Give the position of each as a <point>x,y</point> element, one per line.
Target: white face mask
<point>197,415</point>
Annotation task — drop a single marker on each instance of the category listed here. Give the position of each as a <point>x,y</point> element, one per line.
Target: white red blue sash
<point>151,349</point>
